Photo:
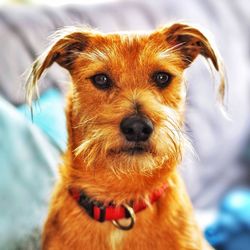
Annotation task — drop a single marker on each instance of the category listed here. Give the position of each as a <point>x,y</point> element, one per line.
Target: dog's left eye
<point>162,79</point>
<point>101,81</point>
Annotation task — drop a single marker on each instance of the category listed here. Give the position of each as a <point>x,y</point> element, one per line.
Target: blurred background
<point>217,180</point>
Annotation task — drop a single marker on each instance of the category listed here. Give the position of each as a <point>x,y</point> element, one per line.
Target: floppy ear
<point>64,50</point>
<point>190,42</point>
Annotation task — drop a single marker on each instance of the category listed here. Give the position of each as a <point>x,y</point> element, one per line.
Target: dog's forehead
<point>125,39</point>
<point>130,33</point>
<point>127,45</point>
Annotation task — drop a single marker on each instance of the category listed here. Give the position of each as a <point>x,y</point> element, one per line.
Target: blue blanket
<point>28,163</point>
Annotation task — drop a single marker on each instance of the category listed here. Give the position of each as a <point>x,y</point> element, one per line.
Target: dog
<point>119,184</point>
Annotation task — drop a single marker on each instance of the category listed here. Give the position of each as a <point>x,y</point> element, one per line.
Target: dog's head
<point>128,94</point>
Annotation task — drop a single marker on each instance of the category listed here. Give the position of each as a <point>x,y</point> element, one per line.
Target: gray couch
<point>220,144</point>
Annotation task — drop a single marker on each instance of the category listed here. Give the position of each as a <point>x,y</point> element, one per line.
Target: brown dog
<point>119,186</point>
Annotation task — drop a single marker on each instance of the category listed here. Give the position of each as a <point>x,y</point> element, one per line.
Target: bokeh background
<point>217,179</point>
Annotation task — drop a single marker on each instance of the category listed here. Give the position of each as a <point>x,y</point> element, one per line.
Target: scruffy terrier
<point>119,187</point>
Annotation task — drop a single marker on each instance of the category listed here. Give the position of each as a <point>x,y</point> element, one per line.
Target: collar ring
<point>131,213</point>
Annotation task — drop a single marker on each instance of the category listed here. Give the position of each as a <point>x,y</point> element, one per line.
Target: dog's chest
<point>116,239</point>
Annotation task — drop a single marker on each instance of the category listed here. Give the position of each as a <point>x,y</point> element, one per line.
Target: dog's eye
<point>162,79</point>
<point>101,81</point>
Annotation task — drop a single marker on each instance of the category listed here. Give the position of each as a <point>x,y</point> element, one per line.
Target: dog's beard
<point>104,146</point>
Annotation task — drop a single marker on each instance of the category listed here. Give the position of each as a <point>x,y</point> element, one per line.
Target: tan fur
<point>94,161</point>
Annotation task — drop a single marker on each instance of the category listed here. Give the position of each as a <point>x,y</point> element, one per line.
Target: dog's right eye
<point>101,81</point>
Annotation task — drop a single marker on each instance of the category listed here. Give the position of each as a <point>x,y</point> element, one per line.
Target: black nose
<point>136,128</point>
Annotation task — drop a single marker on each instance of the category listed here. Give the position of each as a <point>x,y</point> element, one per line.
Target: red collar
<point>101,213</point>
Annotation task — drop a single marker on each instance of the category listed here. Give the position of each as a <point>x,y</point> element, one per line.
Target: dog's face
<point>128,95</point>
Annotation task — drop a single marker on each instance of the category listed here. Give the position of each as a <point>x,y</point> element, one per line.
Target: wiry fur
<point>95,160</point>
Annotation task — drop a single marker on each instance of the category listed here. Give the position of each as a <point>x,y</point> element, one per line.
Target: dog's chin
<point>134,150</point>
<point>134,159</point>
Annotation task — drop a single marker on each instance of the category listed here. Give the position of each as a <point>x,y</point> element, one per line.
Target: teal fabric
<point>49,116</point>
<point>28,167</point>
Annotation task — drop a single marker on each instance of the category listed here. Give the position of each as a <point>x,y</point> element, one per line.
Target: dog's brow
<point>95,55</point>
<point>166,52</point>
<point>163,54</point>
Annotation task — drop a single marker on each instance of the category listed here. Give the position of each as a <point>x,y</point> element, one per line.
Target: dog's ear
<point>67,45</point>
<point>190,42</point>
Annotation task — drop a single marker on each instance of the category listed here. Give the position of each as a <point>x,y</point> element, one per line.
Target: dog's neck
<point>103,185</point>
<point>110,211</point>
